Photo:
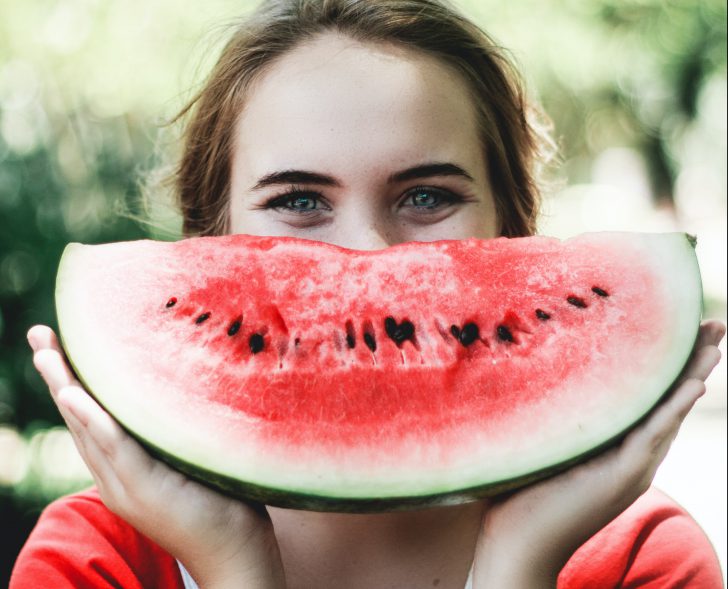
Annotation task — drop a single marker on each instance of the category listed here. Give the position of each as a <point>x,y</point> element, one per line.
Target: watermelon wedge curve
<point>305,375</point>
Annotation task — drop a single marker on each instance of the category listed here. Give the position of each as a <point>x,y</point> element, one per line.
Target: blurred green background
<point>636,90</point>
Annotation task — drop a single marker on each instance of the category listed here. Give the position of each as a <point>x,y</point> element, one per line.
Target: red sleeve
<point>79,544</point>
<point>654,544</point>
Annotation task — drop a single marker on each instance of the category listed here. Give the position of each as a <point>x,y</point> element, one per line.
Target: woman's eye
<point>429,198</point>
<point>302,203</point>
<point>298,202</point>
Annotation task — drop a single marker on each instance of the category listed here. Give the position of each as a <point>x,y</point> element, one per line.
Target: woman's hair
<point>514,145</point>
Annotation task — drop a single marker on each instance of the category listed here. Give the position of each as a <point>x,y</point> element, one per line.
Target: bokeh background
<point>636,90</point>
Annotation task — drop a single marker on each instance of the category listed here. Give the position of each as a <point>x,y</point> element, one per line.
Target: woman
<point>363,123</point>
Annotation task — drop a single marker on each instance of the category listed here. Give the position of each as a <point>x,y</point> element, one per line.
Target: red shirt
<point>79,544</point>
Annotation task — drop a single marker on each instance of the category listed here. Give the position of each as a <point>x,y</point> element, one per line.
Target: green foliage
<point>43,209</point>
<point>616,72</point>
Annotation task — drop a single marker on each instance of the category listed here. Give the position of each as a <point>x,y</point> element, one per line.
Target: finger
<point>96,460</point>
<point>659,430</point>
<point>94,421</point>
<point>57,376</point>
<point>124,454</point>
<point>54,370</point>
<point>118,464</point>
<point>644,449</point>
<point>702,363</point>
<point>41,337</point>
<point>711,333</point>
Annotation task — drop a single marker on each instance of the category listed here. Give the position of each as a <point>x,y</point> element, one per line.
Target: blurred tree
<point>687,43</point>
<point>615,72</point>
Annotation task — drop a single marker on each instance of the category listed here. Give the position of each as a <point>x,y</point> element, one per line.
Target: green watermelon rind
<point>371,502</point>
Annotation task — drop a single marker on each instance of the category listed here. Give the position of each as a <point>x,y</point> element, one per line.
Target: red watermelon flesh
<point>307,375</point>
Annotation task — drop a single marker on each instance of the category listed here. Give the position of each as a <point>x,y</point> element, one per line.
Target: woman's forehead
<point>334,97</point>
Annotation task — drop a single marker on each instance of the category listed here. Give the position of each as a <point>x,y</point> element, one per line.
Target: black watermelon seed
<point>576,301</point>
<point>171,302</point>
<point>202,318</point>
<point>256,343</point>
<point>350,335</point>
<point>504,334</point>
<point>455,330</point>
<point>370,342</point>
<point>469,334</point>
<point>390,326</point>
<point>234,327</point>
<point>398,332</point>
<point>542,315</point>
<point>600,291</point>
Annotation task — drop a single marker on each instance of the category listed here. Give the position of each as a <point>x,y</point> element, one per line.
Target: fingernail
<point>33,344</point>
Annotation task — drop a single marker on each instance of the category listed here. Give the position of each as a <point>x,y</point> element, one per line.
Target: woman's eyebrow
<point>295,177</point>
<point>428,170</point>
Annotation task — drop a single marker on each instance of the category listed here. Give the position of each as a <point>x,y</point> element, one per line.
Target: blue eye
<point>296,201</point>
<point>428,198</point>
<point>302,202</point>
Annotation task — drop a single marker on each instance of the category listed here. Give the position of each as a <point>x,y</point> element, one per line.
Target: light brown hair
<point>513,145</point>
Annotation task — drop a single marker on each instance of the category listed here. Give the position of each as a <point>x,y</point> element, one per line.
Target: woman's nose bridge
<point>368,236</point>
<point>367,224</point>
<point>365,219</point>
<point>379,235</point>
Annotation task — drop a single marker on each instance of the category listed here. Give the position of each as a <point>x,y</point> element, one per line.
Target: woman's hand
<point>529,535</point>
<point>221,542</point>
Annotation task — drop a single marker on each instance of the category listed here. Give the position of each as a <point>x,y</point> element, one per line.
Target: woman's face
<point>360,145</point>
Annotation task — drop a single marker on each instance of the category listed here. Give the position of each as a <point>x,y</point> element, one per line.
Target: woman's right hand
<point>529,534</point>
<point>221,541</point>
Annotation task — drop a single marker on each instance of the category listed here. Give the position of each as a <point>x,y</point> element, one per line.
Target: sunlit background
<point>636,90</point>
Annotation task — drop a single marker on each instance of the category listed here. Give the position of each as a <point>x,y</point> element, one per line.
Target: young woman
<point>363,123</point>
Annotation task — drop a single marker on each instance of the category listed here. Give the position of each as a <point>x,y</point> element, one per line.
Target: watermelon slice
<point>305,375</point>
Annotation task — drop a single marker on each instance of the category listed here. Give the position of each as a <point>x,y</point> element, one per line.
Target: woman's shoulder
<point>653,544</point>
<point>79,543</point>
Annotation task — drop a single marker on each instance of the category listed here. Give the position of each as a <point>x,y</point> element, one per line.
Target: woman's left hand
<point>528,535</point>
